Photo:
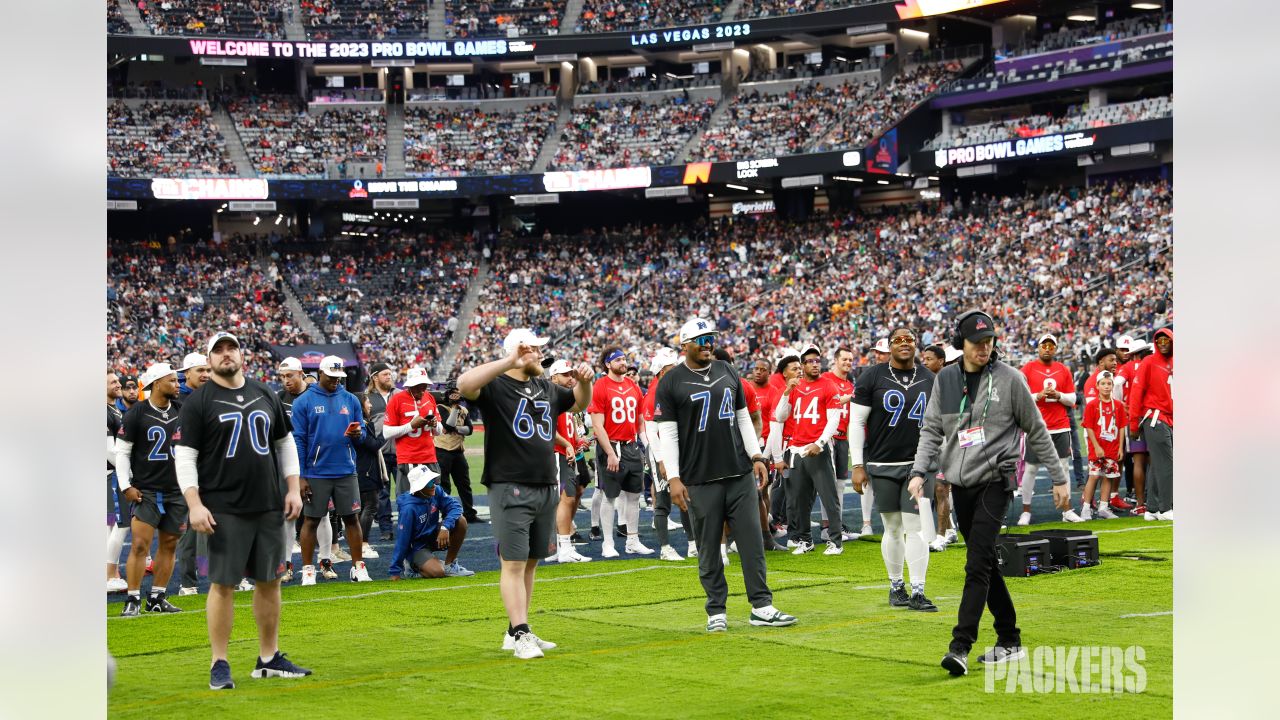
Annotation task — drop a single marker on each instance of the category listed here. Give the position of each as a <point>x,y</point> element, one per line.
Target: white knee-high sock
<point>607,509</point>
<point>115,544</point>
<point>917,551</point>
<point>287,529</point>
<point>324,540</point>
<point>892,547</point>
<point>868,499</point>
<point>629,513</point>
<point>1029,482</point>
<point>597,499</point>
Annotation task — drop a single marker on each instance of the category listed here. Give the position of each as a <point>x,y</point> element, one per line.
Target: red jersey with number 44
<point>619,402</point>
<point>1107,419</point>
<point>1055,375</point>
<point>843,386</point>
<point>419,446</point>
<point>810,401</point>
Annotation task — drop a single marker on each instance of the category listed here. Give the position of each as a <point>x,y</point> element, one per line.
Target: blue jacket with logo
<point>420,520</point>
<point>320,420</point>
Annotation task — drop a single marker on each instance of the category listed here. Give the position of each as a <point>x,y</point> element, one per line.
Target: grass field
<point>632,644</point>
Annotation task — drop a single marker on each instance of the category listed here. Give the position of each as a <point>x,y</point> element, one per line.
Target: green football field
<point>633,644</point>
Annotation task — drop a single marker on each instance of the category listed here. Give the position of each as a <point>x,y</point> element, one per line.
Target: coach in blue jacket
<point>422,531</point>
<point>326,421</point>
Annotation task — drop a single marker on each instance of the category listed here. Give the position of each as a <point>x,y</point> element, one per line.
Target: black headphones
<point>957,341</point>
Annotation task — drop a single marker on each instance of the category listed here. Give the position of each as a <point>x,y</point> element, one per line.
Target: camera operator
<point>450,451</point>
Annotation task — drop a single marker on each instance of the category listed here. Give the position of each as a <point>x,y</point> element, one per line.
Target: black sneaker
<point>160,603</point>
<point>132,607</point>
<point>577,539</point>
<point>472,519</point>
<point>1002,653</point>
<point>899,598</point>
<point>596,533</point>
<point>220,676</point>
<point>919,602</point>
<point>280,666</point>
<point>956,663</point>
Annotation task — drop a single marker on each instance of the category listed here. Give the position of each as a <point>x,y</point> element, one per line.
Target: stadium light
<point>257,219</point>
<point>1145,6</point>
<point>711,195</point>
<point>279,218</point>
<point>736,187</point>
<point>933,178</point>
<point>759,191</point>
<point>1081,17</point>
<point>882,182</point>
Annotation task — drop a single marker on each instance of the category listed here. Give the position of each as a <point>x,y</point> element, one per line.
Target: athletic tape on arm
<point>124,470</point>
<point>668,438</point>
<point>287,456</point>
<point>748,429</point>
<point>184,464</point>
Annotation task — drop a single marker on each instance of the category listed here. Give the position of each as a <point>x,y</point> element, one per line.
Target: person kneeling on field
<point>422,531</point>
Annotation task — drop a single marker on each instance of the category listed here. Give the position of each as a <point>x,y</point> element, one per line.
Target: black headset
<point>957,340</point>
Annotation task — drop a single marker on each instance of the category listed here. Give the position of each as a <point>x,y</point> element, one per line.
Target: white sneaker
<point>693,549</point>
<point>733,547</point>
<point>608,550</point>
<point>297,549</point>
<point>802,547</point>
<point>569,555</point>
<point>938,545</point>
<point>824,536</point>
<point>1071,516</point>
<point>1149,516</point>
<point>308,575</point>
<point>847,535</point>
<point>833,549</point>
<point>1165,515</point>
<point>359,573</point>
<point>780,533</point>
<point>117,584</point>
<point>791,543</point>
<point>1105,513</point>
<point>509,643</point>
<point>369,552</point>
<point>866,529</point>
<point>244,586</point>
<point>669,553</point>
<point>340,555</point>
<point>951,536</point>
<point>1086,512</point>
<point>635,547</point>
<point>724,556</point>
<point>673,524</point>
<point>526,647</point>
<point>1024,519</point>
<point>188,591</point>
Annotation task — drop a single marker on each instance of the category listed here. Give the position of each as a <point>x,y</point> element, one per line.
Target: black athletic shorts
<point>246,546</point>
<point>1061,443</point>
<point>165,511</point>
<point>843,471</point>
<point>630,474</point>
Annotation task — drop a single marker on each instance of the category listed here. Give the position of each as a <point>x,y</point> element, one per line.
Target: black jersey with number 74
<point>704,405</point>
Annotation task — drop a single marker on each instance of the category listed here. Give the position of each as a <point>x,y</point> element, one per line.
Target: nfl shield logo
<point>239,398</point>
<point>940,158</point>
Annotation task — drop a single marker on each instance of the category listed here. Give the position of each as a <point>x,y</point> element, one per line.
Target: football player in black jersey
<point>884,429</point>
<point>519,407</point>
<point>234,447</point>
<point>117,521</point>
<point>144,471</point>
<point>715,468</point>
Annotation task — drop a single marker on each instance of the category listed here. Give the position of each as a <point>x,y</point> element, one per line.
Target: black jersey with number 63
<point>704,407</point>
<point>520,430</point>
<point>897,405</point>
<point>234,432</point>
<point>152,434</point>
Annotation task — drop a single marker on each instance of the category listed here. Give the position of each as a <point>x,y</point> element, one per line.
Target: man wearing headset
<point>975,413</point>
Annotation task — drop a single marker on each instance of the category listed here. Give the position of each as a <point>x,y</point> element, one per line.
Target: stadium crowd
<point>775,8</point>
<point>116,22</point>
<point>863,122</point>
<point>282,138</point>
<point>613,15</point>
<point>628,132</point>
<point>165,139</point>
<point>502,18</point>
<point>245,18</point>
<point>454,139</point>
<point>365,19</point>
<point>1076,118</point>
<point>1068,37</point>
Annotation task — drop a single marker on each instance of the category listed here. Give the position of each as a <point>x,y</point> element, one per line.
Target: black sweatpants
<point>454,470</point>
<point>734,500</point>
<point>980,511</point>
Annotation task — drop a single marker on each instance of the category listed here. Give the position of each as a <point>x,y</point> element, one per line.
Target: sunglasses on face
<point>1162,340</point>
<point>903,340</point>
<point>705,340</point>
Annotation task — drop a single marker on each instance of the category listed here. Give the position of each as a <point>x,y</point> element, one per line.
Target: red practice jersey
<point>843,386</point>
<point>565,428</point>
<point>619,402</point>
<point>749,393</point>
<point>419,446</point>
<point>1107,420</point>
<point>810,401</point>
<point>1054,375</point>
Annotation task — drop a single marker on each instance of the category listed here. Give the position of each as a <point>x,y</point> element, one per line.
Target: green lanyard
<point>964,402</point>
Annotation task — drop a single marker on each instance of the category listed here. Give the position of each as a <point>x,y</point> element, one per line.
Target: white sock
<point>892,546</point>
<point>724,550</point>
<point>288,540</point>
<point>597,499</point>
<point>606,517</point>
<point>631,513</point>
<point>115,544</point>
<point>562,543</point>
<point>868,499</point>
<point>1029,482</point>
<point>917,552</point>
<point>324,539</point>
<point>765,611</point>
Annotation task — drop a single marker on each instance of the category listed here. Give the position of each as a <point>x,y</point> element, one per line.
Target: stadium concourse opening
<point>375,279</point>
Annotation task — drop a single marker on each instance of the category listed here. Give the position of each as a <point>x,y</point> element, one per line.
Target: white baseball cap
<point>154,373</point>
<point>193,360</point>
<point>1124,342</point>
<point>332,366</point>
<point>950,353</point>
<point>560,367</point>
<point>786,352</point>
<point>1047,337</point>
<point>416,376</point>
<point>522,336</point>
<point>882,345</point>
<point>291,363</point>
<point>420,477</point>
<point>219,337</point>
<point>810,348</point>
<point>666,357</point>
<point>697,327</point>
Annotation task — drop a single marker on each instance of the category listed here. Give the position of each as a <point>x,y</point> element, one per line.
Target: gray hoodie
<point>1013,410</point>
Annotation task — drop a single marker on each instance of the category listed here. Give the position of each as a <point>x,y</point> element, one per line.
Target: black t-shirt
<point>704,406</point>
<point>286,399</point>
<point>234,431</point>
<point>520,429</point>
<point>114,419</point>
<point>152,433</point>
<point>897,399</point>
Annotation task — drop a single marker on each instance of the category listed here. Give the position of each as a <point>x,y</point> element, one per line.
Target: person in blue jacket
<point>327,422</point>
<point>422,531</point>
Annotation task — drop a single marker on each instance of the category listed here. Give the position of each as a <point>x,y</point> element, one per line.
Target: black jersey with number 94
<point>897,399</point>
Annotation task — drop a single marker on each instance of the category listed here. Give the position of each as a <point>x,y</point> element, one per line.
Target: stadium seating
<point>863,122</point>
<point>165,139</point>
<point>244,18</point>
<point>347,95</point>
<point>457,139</point>
<point>775,8</point>
<point>502,18</point>
<point>1068,37</point>
<point>116,22</point>
<point>282,139</point>
<point>649,83</point>
<point>364,19</point>
<point>1077,119</point>
<point>615,15</point>
<point>627,132</point>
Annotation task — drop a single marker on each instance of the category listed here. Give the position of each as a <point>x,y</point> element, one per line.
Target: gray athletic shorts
<point>524,519</point>
<point>630,474</point>
<point>422,555</point>
<point>343,491</point>
<point>890,488</point>
<point>402,475</point>
<point>165,511</point>
<point>1061,443</point>
<point>246,546</point>
<point>568,476</point>
<point>843,471</point>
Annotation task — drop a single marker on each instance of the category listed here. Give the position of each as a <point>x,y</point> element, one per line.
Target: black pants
<point>368,510</point>
<point>979,512</point>
<point>384,496</point>
<point>453,467</point>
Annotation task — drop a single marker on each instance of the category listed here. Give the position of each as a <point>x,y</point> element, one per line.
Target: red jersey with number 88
<point>619,401</point>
